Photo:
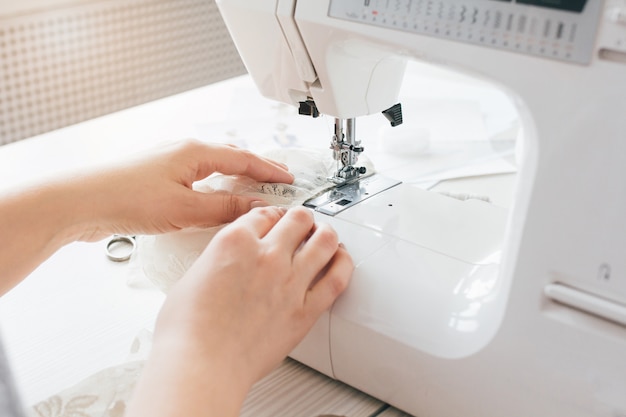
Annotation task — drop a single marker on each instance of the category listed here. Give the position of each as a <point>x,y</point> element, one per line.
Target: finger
<point>331,284</point>
<point>280,164</point>
<point>211,209</point>
<point>292,229</point>
<point>316,251</point>
<point>260,220</point>
<point>233,161</point>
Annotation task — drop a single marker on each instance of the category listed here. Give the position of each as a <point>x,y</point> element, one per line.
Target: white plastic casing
<point>425,325</point>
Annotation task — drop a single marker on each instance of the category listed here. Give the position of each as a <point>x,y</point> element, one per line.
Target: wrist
<point>69,211</point>
<point>39,222</point>
<point>180,379</point>
<point>84,209</point>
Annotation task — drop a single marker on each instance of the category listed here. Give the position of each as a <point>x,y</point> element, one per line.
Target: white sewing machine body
<point>463,308</point>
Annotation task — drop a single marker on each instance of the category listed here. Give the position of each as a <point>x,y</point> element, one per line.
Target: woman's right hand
<point>249,299</point>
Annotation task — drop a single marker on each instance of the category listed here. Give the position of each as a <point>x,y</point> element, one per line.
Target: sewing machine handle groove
<point>308,108</point>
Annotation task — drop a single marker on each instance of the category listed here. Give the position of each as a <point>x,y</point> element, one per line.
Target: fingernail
<point>258,203</point>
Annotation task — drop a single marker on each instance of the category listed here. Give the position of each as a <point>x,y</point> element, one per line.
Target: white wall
<point>79,59</point>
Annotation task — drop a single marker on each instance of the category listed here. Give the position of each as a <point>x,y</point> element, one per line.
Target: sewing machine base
<point>425,289</point>
<point>347,195</point>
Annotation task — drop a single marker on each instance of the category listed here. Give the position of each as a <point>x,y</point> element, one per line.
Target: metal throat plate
<point>347,195</point>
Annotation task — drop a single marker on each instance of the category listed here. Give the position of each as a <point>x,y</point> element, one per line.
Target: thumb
<point>221,207</point>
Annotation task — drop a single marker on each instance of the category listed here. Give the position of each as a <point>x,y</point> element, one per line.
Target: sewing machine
<point>460,307</point>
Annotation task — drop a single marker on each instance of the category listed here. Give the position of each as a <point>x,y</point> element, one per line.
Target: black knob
<point>394,114</point>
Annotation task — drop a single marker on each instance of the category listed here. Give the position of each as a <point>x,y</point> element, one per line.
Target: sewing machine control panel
<point>557,29</point>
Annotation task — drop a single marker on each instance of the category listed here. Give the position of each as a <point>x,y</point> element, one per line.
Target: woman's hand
<point>252,295</point>
<point>149,195</point>
<point>153,194</point>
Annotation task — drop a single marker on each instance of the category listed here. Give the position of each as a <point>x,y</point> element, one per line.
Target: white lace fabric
<point>165,258</point>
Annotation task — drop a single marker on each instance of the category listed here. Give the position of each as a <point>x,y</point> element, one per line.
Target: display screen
<point>568,5</point>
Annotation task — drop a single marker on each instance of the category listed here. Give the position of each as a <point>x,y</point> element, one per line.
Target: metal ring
<point>130,240</point>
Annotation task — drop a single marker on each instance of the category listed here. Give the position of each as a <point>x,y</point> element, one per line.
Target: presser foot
<point>347,174</point>
<point>349,193</point>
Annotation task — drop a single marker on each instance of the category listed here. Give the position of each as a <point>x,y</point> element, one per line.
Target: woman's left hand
<point>154,194</point>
